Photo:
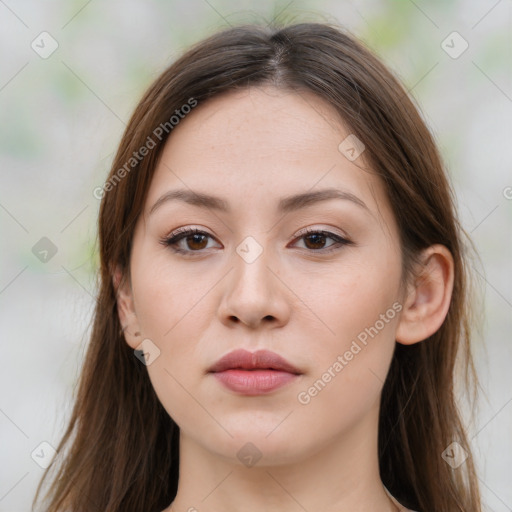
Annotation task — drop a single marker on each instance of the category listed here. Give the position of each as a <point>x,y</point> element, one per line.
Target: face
<point>316,282</point>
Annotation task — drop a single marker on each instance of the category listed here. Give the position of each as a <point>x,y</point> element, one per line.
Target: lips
<point>253,373</point>
<point>262,359</point>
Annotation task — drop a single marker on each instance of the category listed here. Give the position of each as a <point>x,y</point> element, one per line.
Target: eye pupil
<point>195,238</point>
<point>316,236</point>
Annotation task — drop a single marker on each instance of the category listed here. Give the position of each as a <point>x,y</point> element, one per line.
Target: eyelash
<point>182,233</point>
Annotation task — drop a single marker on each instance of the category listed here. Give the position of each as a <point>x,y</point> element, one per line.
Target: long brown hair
<point>120,449</point>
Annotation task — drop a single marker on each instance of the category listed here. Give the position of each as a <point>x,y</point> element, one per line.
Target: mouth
<point>253,373</point>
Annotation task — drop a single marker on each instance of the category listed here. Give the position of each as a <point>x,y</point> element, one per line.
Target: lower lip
<point>254,382</point>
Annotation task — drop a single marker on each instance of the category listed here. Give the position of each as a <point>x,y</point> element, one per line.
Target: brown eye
<point>187,240</point>
<point>315,241</point>
<point>196,241</point>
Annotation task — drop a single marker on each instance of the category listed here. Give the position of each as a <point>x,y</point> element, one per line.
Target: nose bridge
<point>253,293</point>
<point>251,261</point>
<point>252,255</point>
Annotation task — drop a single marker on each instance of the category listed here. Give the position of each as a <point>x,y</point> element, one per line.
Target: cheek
<point>173,311</point>
<point>355,296</point>
<point>359,310</point>
<point>167,298</point>
<point>350,367</point>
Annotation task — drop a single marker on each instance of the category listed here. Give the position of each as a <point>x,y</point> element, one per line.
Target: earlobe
<point>126,308</point>
<point>428,300</point>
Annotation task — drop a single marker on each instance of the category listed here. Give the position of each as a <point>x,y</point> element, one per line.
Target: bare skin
<point>307,299</point>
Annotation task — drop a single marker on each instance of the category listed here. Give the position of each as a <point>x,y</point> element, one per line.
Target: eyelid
<point>191,229</point>
<point>188,229</point>
<point>317,229</point>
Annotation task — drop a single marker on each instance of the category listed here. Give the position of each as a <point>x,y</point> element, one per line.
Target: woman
<point>283,294</point>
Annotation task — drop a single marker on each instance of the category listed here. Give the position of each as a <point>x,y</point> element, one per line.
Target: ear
<point>428,299</point>
<point>126,308</point>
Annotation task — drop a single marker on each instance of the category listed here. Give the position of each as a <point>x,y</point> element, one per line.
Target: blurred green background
<point>62,116</point>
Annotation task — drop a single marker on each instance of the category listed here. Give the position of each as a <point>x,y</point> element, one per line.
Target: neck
<point>342,476</point>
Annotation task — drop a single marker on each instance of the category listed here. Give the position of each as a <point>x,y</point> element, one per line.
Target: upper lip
<point>262,359</point>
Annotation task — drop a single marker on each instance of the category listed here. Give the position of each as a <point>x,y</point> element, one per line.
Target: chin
<point>254,446</point>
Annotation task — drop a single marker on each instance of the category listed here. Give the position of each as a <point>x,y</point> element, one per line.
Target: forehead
<point>261,122</point>
<point>261,144</point>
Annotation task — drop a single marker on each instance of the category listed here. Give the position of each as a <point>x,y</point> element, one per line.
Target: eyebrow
<point>285,205</point>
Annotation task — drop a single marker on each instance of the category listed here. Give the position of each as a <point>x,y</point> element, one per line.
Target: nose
<point>254,294</point>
